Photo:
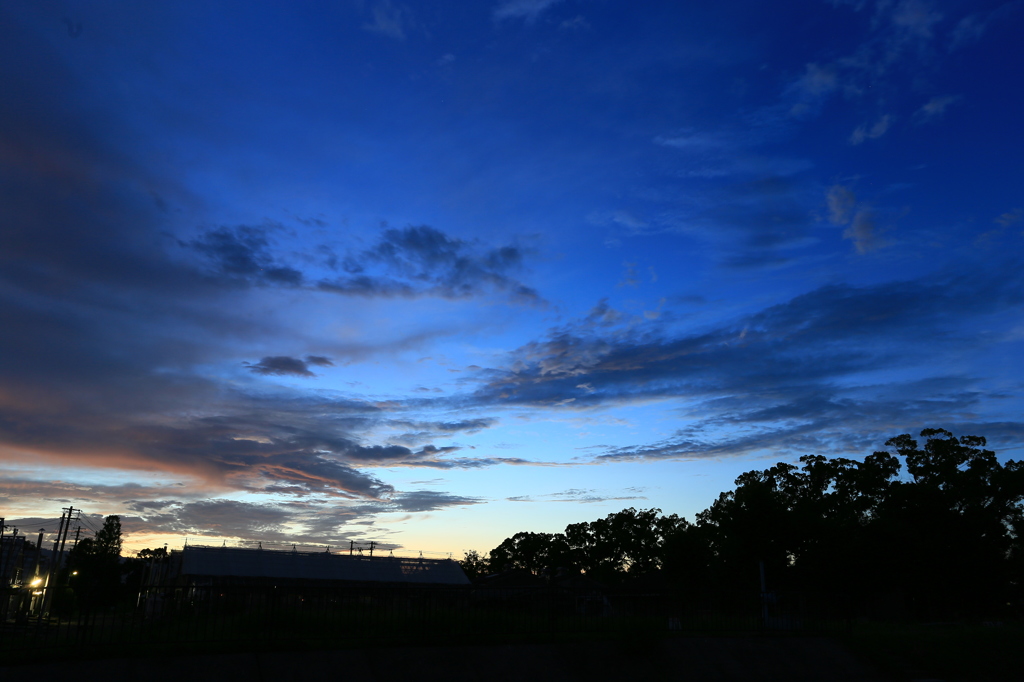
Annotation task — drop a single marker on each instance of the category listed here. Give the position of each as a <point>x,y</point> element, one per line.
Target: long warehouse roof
<point>265,563</point>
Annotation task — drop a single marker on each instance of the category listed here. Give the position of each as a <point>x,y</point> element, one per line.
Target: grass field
<point>941,651</point>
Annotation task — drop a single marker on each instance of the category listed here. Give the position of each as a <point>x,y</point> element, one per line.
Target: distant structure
<point>201,566</point>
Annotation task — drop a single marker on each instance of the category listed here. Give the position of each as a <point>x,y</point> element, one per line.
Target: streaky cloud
<point>244,252</point>
<point>281,365</point>
<point>794,364</point>
<point>527,10</point>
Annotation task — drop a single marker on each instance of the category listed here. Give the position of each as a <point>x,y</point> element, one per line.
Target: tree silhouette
<point>946,535</point>
<point>474,565</point>
<point>625,543</point>
<point>95,564</point>
<point>158,554</point>
<point>108,539</point>
<point>953,530</point>
<point>534,552</point>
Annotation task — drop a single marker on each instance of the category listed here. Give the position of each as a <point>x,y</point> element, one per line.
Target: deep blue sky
<point>434,273</point>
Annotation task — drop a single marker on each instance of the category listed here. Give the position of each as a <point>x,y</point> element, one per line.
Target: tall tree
<point>108,539</point>
<point>96,566</point>
<point>534,552</point>
<point>947,535</point>
<point>625,543</point>
<point>952,531</point>
<point>945,538</point>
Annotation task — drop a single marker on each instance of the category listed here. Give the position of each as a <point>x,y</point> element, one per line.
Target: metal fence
<point>239,616</point>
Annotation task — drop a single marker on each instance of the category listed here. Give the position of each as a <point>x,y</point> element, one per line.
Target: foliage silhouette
<point>95,566</point>
<point>158,554</point>
<point>944,538</point>
<point>474,565</point>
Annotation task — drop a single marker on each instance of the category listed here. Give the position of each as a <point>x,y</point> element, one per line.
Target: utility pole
<point>17,557</point>
<point>8,558</point>
<point>36,582</point>
<point>47,592</point>
<point>67,529</point>
<point>56,546</point>
<point>2,529</point>
<point>372,545</point>
<point>39,553</point>
<point>58,551</point>
<point>9,563</point>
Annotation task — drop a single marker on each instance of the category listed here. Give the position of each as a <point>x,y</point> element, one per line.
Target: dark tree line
<point>97,576</point>
<point>623,543</point>
<point>939,525</point>
<point>92,575</point>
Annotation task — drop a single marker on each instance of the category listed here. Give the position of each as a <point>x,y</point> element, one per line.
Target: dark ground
<point>725,659</point>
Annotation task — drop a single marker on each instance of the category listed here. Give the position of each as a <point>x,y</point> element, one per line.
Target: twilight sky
<point>432,273</point>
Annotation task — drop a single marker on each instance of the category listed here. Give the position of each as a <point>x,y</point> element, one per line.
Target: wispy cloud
<point>858,217</point>
<point>786,364</point>
<point>903,37</point>
<point>244,252</point>
<point>423,261</point>
<point>527,10</point>
<point>863,231</point>
<point>875,131</point>
<point>150,381</point>
<point>812,89</point>
<point>972,27</point>
<point>417,501</point>
<point>935,107</point>
<point>389,19</point>
<point>307,521</point>
<point>915,18</point>
<point>577,23</point>
<point>410,262</point>
<point>1010,217</point>
<point>283,365</point>
<point>749,208</point>
<point>841,202</point>
<point>577,495</point>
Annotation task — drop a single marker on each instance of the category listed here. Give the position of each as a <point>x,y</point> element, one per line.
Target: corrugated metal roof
<point>265,563</point>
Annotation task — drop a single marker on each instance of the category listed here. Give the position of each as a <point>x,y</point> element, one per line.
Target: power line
<point>88,525</point>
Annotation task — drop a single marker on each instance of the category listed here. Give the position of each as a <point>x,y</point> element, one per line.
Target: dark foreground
<point>725,659</point>
<point>907,653</point>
